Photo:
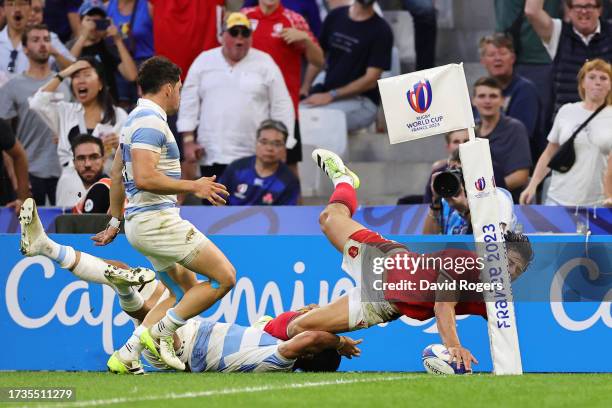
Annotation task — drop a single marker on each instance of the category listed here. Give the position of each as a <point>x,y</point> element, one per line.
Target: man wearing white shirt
<point>228,92</point>
<point>570,45</point>
<point>13,59</point>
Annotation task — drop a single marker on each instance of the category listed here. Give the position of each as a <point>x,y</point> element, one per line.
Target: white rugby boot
<point>129,277</point>
<point>333,166</point>
<point>33,241</point>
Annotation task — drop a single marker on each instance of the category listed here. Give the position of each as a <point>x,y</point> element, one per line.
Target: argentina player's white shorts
<point>164,237</point>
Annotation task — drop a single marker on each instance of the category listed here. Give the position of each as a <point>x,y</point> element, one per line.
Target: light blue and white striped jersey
<point>228,347</point>
<point>147,128</point>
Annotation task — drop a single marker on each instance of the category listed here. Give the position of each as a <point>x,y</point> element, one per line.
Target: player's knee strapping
<point>171,285</point>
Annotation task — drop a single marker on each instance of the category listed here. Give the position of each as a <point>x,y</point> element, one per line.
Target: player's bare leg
<point>34,241</point>
<point>337,225</point>
<point>332,318</point>
<point>335,220</point>
<point>210,262</point>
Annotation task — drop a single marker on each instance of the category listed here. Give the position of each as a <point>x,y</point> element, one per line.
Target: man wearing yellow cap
<point>228,92</point>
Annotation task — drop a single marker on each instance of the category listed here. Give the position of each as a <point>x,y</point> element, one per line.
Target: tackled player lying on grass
<point>200,344</point>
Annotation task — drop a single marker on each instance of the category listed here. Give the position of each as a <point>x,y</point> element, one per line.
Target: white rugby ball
<point>436,361</point>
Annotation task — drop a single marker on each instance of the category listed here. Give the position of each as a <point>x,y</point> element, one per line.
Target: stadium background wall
<point>52,321</point>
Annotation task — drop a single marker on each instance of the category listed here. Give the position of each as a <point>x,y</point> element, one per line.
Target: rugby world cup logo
<point>420,96</point>
<point>480,184</point>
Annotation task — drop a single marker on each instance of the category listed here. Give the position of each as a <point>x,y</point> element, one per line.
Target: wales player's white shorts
<point>164,237</point>
<point>364,310</point>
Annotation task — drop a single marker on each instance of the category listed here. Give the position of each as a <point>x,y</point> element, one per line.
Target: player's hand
<point>348,347</point>
<point>293,35</point>
<point>319,99</point>
<point>607,202</point>
<point>527,196</point>
<point>105,237</point>
<point>15,205</point>
<point>461,356</point>
<point>215,193</point>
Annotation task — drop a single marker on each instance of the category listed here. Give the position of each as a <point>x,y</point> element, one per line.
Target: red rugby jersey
<point>419,304</point>
<point>182,29</point>
<point>266,38</point>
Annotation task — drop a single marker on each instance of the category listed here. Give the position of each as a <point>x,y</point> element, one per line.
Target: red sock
<point>345,194</point>
<point>277,327</point>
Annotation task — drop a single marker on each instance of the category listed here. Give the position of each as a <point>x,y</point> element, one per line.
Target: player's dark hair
<point>26,32</point>
<point>85,138</point>
<point>157,72</point>
<point>325,361</point>
<point>489,82</point>
<point>520,244</point>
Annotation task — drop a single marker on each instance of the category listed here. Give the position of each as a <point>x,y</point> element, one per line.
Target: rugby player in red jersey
<point>364,308</point>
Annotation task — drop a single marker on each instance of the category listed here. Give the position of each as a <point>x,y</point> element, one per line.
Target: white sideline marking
<point>228,391</point>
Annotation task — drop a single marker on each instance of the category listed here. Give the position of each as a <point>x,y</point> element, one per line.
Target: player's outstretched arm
<point>447,327</point>
<point>117,201</point>
<point>148,178</point>
<point>313,342</point>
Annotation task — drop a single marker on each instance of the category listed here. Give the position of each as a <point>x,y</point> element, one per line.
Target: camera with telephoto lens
<point>448,183</point>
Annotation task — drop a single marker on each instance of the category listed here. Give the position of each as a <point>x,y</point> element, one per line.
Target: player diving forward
<point>201,345</point>
<point>363,308</point>
<point>146,168</point>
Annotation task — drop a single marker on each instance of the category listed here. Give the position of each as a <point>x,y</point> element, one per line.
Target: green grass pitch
<point>341,390</point>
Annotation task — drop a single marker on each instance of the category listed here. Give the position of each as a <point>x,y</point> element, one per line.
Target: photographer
<point>95,28</point>
<point>449,212</point>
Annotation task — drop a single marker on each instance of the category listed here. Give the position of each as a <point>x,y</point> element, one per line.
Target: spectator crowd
<point>68,71</point>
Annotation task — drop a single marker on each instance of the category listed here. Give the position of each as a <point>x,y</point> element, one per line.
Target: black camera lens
<point>447,184</point>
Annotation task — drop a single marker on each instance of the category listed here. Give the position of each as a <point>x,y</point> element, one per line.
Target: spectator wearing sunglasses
<point>228,92</point>
<point>13,59</point>
<point>263,179</point>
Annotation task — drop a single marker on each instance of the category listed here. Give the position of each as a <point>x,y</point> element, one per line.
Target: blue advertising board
<point>56,322</point>
<point>398,220</point>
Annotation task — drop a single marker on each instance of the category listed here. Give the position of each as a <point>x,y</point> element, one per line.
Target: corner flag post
<point>434,101</point>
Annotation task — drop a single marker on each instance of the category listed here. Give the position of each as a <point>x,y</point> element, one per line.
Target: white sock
<point>167,325</point>
<point>91,269</point>
<point>130,300</point>
<point>63,255</point>
<point>132,348</point>
<point>345,178</point>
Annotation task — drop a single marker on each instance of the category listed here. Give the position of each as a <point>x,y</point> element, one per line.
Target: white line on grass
<point>227,391</point>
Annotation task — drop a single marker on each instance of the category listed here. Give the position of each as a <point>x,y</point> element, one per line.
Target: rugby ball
<point>436,361</point>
